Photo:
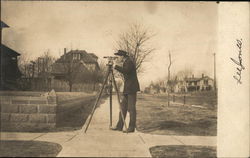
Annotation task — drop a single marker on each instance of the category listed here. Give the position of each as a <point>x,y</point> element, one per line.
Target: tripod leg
<point>110,101</point>
<point>97,100</point>
<point>118,97</point>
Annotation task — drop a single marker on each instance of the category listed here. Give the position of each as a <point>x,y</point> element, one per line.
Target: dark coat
<point>131,84</point>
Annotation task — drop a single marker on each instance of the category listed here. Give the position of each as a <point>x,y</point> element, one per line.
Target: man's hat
<point>121,53</point>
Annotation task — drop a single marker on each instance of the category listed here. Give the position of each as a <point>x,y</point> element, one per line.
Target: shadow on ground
<point>29,149</point>
<point>182,151</point>
<point>73,115</point>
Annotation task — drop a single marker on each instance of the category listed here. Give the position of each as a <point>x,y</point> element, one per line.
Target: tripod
<point>110,76</point>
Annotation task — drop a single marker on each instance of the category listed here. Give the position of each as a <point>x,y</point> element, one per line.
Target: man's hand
<point>118,62</point>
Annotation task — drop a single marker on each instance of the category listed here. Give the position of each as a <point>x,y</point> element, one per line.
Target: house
<point>86,60</point>
<point>70,64</point>
<point>204,83</point>
<point>9,71</point>
<point>180,86</point>
<point>9,68</point>
<point>152,89</point>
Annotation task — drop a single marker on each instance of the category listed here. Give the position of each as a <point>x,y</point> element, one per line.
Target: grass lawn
<point>154,116</point>
<point>28,149</point>
<point>206,99</point>
<point>181,151</point>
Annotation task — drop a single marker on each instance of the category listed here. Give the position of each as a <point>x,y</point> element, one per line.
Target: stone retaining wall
<point>28,113</point>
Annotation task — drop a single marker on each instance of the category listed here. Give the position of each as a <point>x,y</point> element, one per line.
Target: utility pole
<point>215,88</point>
<point>168,82</point>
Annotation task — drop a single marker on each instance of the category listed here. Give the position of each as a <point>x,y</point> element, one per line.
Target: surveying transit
<point>109,76</point>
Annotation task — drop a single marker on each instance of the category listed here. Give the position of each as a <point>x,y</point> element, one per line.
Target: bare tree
<point>168,82</point>
<point>185,73</point>
<point>45,62</point>
<point>97,76</point>
<point>44,69</point>
<point>169,66</point>
<point>137,42</point>
<point>71,70</point>
<point>23,62</point>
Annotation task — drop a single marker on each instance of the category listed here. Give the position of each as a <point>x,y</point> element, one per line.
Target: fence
<point>208,99</point>
<point>47,84</point>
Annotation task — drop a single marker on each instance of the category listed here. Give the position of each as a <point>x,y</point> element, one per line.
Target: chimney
<point>202,75</point>
<point>65,51</point>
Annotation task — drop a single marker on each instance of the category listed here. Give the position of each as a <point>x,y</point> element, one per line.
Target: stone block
<point>5,100</point>
<point>8,108</point>
<point>26,126</point>
<point>19,117</point>
<point>20,101</point>
<point>47,109</point>
<point>28,109</point>
<point>37,118</point>
<point>52,97</point>
<point>51,118</point>
<point>5,117</point>
<point>42,101</point>
<point>51,100</point>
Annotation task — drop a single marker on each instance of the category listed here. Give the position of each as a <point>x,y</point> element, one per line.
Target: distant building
<point>153,89</point>
<point>204,83</point>
<point>74,59</point>
<point>88,61</point>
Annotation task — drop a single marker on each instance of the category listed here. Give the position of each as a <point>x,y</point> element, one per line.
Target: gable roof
<point>86,57</point>
<point>8,51</point>
<point>192,79</point>
<point>3,25</point>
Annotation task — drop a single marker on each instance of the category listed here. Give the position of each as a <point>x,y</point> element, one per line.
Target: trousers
<point>128,104</point>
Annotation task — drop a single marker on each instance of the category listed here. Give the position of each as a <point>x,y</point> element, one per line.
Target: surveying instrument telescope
<point>109,76</point>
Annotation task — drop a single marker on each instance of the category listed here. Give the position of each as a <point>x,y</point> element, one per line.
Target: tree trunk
<point>70,86</point>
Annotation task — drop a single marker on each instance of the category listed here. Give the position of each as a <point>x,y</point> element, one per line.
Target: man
<point>131,86</point>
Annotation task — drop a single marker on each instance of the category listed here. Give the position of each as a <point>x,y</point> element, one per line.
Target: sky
<point>188,30</point>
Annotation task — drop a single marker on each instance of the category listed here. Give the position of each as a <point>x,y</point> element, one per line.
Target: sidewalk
<point>99,141</point>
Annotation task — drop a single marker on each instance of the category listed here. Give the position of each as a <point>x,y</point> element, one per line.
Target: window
<point>206,82</point>
<point>74,56</point>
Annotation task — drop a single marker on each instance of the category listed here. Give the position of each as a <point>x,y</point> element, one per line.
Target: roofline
<point>18,54</point>
<point>3,25</point>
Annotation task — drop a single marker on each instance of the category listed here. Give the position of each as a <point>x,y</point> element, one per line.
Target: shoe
<point>130,130</point>
<point>116,129</point>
